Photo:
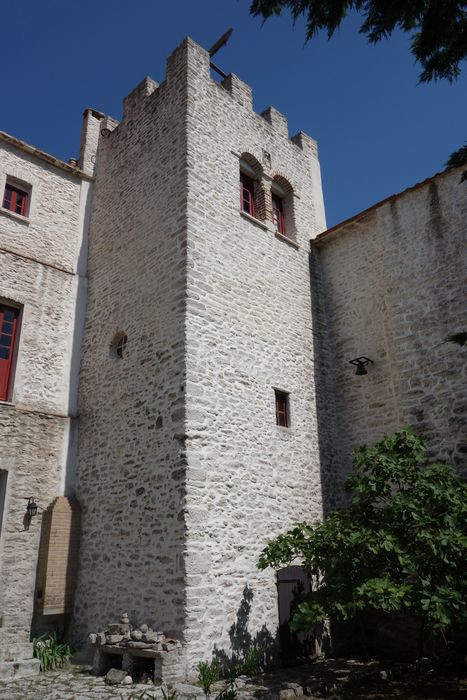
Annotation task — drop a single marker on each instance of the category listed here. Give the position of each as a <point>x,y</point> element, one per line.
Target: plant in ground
<point>399,546</point>
<point>252,662</point>
<point>50,652</point>
<point>229,692</point>
<point>208,673</point>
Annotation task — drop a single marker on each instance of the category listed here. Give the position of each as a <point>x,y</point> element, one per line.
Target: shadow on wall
<point>281,649</point>
<point>241,639</point>
<point>330,457</point>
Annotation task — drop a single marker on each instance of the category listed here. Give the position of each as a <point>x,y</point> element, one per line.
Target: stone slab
<point>19,669</point>
<point>16,651</point>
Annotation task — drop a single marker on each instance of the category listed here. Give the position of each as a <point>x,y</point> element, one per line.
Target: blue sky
<point>378,131</point>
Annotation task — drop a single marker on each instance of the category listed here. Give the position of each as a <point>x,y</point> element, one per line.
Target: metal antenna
<point>215,48</point>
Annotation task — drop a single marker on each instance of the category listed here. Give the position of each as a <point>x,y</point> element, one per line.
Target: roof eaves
<point>31,150</point>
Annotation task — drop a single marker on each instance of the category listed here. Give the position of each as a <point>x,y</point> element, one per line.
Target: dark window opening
<point>9,318</point>
<point>247,194</point>
<point>15,199</point>
<point>118,343</point>
<point>278,214</point>
<point>282,409</point>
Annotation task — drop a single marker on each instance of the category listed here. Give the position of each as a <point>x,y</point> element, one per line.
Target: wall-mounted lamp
<point>360,363</point>
<point>32,507</point>
<point>105,132</point>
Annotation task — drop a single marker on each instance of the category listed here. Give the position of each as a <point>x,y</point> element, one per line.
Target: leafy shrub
<point>399,546</point>
<point>252,662</point>
<point>50,652</point>
<point>208,673</point>
<point>229,692</point>
<point>168,693</point>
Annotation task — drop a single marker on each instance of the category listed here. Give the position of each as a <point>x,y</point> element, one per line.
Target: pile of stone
<point>122,635</point>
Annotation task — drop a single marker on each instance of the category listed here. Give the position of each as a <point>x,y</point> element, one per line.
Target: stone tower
<point>198,336</point>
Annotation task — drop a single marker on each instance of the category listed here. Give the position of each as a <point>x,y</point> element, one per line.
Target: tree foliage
<point>457,159</point>
<point>438,28</point>
<point>399,546</point>
<point>438,31</point>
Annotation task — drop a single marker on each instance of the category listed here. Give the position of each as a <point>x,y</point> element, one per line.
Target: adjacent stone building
<point>391,281</point>
<point>43,222</point>
<point>211,353</point>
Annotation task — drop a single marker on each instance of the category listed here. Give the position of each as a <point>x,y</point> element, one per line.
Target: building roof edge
<point>27,148</point>
<point>352,219</point>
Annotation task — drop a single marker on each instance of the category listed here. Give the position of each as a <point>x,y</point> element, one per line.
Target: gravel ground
<point>324,680</point>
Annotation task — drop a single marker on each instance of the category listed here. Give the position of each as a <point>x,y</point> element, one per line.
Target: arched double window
<point>266,199</point>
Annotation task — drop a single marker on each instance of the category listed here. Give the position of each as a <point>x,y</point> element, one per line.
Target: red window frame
<point>278,213</point>
<point>15,199</point>
<point>247,194</point>
<point>282,408</point>
<point>9,325</point>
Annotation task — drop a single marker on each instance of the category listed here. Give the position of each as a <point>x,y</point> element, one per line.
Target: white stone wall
<point>38,265</point>
<point>50,235</point>
<point>249,330</point>
<point>183,473</point>
<point>392,282</point>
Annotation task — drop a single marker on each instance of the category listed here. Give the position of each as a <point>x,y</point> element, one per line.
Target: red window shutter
<point>247,194</point>
<point>8,331</point>
<point>278,214</point>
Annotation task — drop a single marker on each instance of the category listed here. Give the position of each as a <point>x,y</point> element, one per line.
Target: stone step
<point>19,669</point>
<point>15,651</point>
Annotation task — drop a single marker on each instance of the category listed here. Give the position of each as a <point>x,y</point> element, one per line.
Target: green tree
<point>438,31</point>
<point>399,546</point>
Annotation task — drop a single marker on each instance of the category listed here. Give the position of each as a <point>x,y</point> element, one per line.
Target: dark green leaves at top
<point>438,29</point>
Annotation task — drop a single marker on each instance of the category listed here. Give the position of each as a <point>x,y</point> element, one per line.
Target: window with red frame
<point>247,194</point>
<point>9,318</point>
<point>15,199</point>
<point>282,408</point>
<point>278,214</point>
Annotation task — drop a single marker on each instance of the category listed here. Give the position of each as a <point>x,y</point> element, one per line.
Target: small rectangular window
<point>16,199</point>
<point>247,194</point>
<point>278,214</point>
<point>9,318</point>
<point>282,408</point>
